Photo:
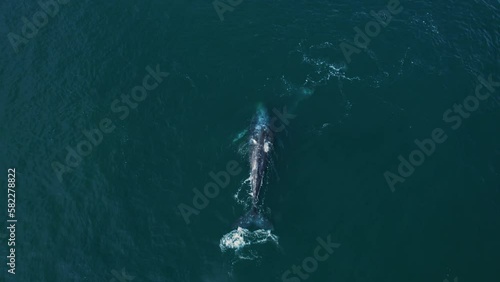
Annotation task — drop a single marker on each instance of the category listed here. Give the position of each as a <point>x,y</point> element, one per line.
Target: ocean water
<point>386,168</point>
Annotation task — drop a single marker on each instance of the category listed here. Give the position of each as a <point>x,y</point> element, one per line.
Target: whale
<point>260,147</point>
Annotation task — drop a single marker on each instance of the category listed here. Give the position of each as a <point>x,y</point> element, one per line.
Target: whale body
<point>260,148</point>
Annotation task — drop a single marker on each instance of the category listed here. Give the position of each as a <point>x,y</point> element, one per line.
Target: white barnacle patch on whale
<point>253,141</point>
<point>266,147</point>
<point>254,166</point>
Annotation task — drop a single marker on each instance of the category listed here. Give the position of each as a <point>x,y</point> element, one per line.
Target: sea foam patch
<point>241,240</point>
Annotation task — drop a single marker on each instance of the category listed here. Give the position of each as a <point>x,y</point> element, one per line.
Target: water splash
<point>243,195</point>
<point>242,241</point>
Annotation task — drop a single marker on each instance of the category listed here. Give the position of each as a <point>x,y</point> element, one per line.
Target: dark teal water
<point>114,216</point>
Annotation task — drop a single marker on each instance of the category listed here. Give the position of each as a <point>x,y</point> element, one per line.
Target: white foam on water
<point>243,195</point>
<point>325,71</point>
<point>241,240</point>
